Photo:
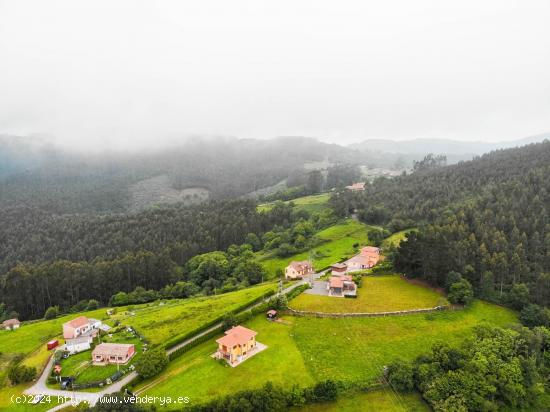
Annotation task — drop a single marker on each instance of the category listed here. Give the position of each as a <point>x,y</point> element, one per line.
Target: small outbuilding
<point>271,314</point>
<point>52,344</point>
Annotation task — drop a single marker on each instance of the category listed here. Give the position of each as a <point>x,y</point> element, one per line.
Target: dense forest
<point>486,220</point>
<point>65,259</point>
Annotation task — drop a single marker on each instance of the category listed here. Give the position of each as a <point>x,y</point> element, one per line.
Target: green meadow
<point>313,203</point>
<point>396,238</point>
<point>336,244</point>
<point>303,350</point>
<point>377,294</point>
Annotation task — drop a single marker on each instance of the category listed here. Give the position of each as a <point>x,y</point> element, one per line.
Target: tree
<point>92,304</point>
<point>51,313</point>
<point>519,296</point>
<point>152,363</point>
<point>229,320</point>
<point>400,376</point>
<point>314,182</point>
<point>253,240</point>
<point>461,292</point>
<point>534,315</point>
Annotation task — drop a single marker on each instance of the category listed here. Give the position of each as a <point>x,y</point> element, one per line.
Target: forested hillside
<point>65,259</point>
<point>486,220</point>
<point>62,182</point>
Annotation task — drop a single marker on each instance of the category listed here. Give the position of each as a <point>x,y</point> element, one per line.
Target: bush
<point>92,304</point>
<point>51,313</point>
<point>325,391</point>
<point>400,376</point>
<point>20,374</point>
<point>461,292</point>
<point>152,363</point>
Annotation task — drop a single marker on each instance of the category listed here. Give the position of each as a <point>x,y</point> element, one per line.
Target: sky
<point>121,74</point>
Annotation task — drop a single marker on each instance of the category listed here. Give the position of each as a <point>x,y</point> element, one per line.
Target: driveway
<point>319,288</point>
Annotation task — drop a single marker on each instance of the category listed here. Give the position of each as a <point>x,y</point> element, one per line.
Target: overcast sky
<point>119,73</point>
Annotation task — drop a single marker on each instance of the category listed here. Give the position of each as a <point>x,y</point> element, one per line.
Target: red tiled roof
<point>339,266</point>
<point>78,322</point>
<point>112,349</point>
<point>237,335</point>
<point>336,282</point>
<point>304,265</point>
<point>11,322</point>
<point>370,249</point>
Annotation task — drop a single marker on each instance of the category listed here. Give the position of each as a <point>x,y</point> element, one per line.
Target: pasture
<point>377,294</point>
<point>311,204</point>
<point>395,239</point>
<point>336,244</point>
<point>303,350</point>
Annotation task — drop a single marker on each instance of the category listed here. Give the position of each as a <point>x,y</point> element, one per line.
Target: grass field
<point>375,401</point>
<point>395,238</point>
<point>377,294</point>
<point>178,317</point>
<point>197,375</point>
<point>308,349</point>
<point>338,241</point>
<point>371,343</point>
<point>313,203</point>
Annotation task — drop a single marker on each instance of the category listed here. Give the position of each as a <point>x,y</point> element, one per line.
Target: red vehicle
<point>52,344</point>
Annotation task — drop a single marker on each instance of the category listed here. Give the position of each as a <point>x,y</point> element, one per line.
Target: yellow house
<point>237,343</point>
<point>297,270</point>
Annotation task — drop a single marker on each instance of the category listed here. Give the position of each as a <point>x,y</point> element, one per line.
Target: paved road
<point>40,387</point>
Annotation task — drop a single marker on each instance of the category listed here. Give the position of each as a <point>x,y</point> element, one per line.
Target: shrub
<point>20,374</point>
<point>51,313</point>
<point>229,321</point>
<point>325,391</point>
<point>152,363</point>
<point>92,304</point>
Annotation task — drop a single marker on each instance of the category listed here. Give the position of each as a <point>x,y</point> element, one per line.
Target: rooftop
<point>115,349</point>
<point>237,335</point>
<point>78,322</point>
<point>11,322</point>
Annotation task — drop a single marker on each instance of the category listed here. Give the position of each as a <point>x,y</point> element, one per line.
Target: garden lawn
<point>158,323</point>
<point>384,400</point>
<point>337,244</point>
<point>197,375</point>
<point>377,294</point>
<point>313,203</point>
<point>80,365</point>
<point>357,348</point>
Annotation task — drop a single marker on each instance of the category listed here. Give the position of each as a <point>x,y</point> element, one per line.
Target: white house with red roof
<point>81,326</point>
<point>366,259</point>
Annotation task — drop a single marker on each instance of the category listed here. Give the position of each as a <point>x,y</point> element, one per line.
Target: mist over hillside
<point>34,172</point>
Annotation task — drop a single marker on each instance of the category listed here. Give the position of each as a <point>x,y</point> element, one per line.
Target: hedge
<point>178,339</point>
